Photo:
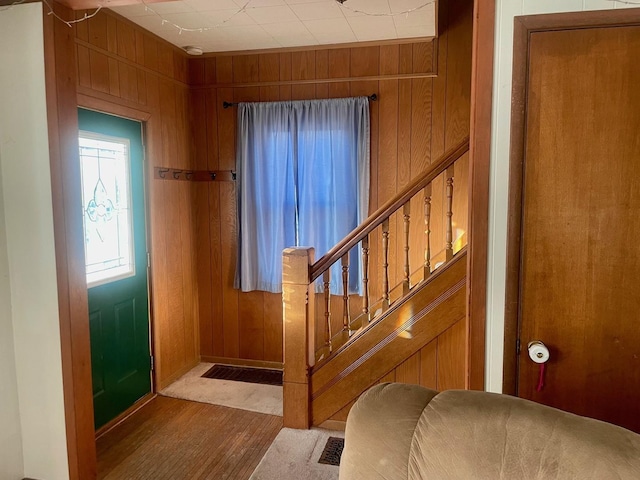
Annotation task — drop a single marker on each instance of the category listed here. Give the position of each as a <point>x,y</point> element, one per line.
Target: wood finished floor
<point>178,439</point>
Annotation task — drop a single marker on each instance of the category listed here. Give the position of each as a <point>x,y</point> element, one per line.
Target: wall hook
<point>176,174</point>
<point>162,172</point>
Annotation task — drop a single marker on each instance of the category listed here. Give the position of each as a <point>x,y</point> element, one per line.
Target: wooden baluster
<point>427,231</point>
<point>327,308</point>
<point>365,277</point>
<point>385,264</point>
<point>449,238</point>
<point>346,316</point>
<point>406,284</point>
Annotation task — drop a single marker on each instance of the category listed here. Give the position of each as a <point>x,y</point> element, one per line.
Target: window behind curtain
<point>303,180</point>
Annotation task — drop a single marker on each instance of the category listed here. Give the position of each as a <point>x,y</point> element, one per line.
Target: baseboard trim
<point>338,425</point>
<point>124,415</point>
<point>243,362</point>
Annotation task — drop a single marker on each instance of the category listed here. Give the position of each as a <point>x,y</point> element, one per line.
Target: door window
<point>106,206</point>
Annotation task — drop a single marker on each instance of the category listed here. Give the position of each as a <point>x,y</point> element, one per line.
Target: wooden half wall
<point>422,110</point>
<point>421,341</point>
<point>126,71</point>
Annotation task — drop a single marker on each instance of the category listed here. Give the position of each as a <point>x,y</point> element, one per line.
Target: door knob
<point>538,351</point>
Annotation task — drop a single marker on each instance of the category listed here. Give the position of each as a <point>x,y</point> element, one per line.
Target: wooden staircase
<point>325,372</point>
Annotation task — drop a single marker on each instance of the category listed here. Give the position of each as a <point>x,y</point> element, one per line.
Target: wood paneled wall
<point>439,365</point>
<point>124,70</point>
<point>416,119</point>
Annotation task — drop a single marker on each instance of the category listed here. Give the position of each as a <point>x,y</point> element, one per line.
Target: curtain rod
<point>373,97</point>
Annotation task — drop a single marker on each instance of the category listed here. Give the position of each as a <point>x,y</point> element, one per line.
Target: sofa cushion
<point>380,429</point>
<point>477,435</point>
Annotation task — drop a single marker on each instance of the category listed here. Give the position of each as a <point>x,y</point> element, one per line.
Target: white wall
<point>506,10</point>
<point>10,431</point>
<point>28,218</point>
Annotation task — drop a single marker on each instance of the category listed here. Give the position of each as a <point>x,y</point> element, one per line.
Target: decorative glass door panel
<point>106,204</point>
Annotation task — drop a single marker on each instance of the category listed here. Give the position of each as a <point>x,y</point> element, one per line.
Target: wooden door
<point>111,159</point>
<point>579,250</point>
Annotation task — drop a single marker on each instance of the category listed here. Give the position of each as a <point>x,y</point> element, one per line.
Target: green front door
<point>111,158</point>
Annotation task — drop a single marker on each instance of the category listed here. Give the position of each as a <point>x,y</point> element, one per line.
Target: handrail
<point>384,212</point>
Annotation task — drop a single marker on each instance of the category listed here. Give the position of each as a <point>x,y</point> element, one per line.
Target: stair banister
<point>384,212</point>
<point>299,273</point>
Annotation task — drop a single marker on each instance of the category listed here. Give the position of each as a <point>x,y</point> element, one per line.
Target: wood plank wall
<point>124,70</point>
<point>192,225</point>
<point>414,122</point>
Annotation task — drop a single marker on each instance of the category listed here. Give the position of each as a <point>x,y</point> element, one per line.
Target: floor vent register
<point>332,451</point>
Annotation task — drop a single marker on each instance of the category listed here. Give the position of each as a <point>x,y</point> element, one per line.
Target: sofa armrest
<point>379,431</point>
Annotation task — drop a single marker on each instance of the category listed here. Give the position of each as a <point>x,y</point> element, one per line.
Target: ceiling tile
<point>131,11</point>
<point>265,15</point>
<point>261,3</point>
<point>406,5</point>
<point>332,30</point>
<point>296,2</point>
<point>189,20</point>
<point>139,10</point>
<point>283,29</point>
<point>247,37</point>
<point>317,10</point>
<point>256,24</point>
<point>170,7</point>
<point>425,16</point>
<point>226,18</point>
<point>206,5</point>
<point>358,8</point>
<point>152,23</point>
<point>184,39</point>
<point>298,41</point>
<point>414,32</point>
<point>290,34</point>
<point>372,28</point>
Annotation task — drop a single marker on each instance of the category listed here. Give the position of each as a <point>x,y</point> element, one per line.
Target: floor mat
<point>262,376</point>
<point>246,396</point>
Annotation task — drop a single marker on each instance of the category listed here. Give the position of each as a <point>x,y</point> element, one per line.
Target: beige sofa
<point>406,432</point>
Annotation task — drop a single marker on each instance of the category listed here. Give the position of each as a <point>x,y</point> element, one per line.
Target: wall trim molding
<point>482,58</point>
<point>407,76</point>
<point>371,43</point>
<point>125,415</point>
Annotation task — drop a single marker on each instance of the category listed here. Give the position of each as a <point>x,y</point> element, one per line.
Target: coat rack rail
<point>163,173</point>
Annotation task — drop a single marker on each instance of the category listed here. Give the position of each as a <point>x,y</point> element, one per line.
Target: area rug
<point>294,455</point>
<point>245,396</point>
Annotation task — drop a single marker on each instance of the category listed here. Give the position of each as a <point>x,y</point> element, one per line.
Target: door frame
<point>523,28</point>
<point>482,57</point>
<point>145,118</point>
<point>113,109</point>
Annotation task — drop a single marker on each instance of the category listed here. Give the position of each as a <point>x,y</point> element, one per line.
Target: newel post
<point>299,335</point>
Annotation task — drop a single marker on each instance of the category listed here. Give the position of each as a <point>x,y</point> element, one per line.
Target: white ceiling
<point>281,23</point>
